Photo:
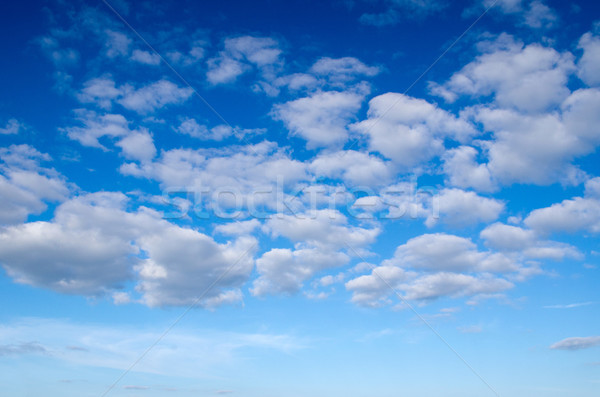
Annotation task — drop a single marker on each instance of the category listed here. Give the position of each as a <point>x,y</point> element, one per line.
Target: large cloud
<point>321,118</point>
<point>528,78</point>
<point>25,185</point>
<point>94,245</point>
<point>431,266</point>
<point>408,130</point>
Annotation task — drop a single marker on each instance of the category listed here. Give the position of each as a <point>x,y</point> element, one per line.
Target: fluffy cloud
<point>138,145</point>
<point>94,245</point>
<point>576,343</point>
<point>342,70</point>
<point>191,127</point>
<point>529,148</point>
<point>145,57</point>
<point>431,266</point>
<point>13,126</point>
<point>318,237</point>
<point>579,213</point>
<point>464,171</point>
<point>525,242</point>
<point>239,54</point>
<point>588,65</point>
<point>528,78</point>
<point>321,118</point>
<point>103,92</point>
<point>460,208</point>
<point>183,265</point>
<point>408,130</point>
<point>154,96</point>
<point>284,270</point>
<point>135,144</point>
<point>25,185</point>
<point>356,168</point>
<point>249,175</point>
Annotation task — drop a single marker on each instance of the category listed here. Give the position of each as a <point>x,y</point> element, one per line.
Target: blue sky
<point>269,198</point>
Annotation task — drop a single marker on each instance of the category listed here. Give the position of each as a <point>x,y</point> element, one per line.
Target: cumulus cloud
<point>145,57</point>
<point>408,130</point>
<point>135,144</point>
<point>153,96</point>
<point>319,239</point>
<point>576,343</point>
<point>354,167</point>
<point>431,266</point>
<point>576,214</point>
<point>529,148</point>
<point>460,208</point>
<point>13,126</point>
<point>103,92</point>
<point>526,242</point>
<point>528,78</point>
<point>94,245</point>
<point>321,118</point>
<point>191,127</point>
<point>242,53</point>
<point>342,70</point>
<point>25,185</point>
<point>588,64</point>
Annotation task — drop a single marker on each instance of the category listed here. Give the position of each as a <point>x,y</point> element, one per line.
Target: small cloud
<point>22,348</point>
<point>569,306</point>
<point>576,343</point>
<point>133,387</point>
<point>470,329</point>
<point>13,126</point>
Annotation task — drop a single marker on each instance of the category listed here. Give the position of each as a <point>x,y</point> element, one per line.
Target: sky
<point>289,198</point>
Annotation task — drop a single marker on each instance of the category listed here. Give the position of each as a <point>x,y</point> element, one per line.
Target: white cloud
<point>284,270</point>
<point>25,185</point>
<point>145,57</point>
<point>576,343</point>
<point>117,43</point>
<point>353,167</point>
<point>408,130</point>
<point>576,214</point>
<point>589,63</point>
<point>433,286</point>
<point>183,265</point>
<point>190,126</point>
<point>252,172</point>
<point>138,145</point>
<point>431,266</point>
<point>101,91</point>
<point>464,171</point>
<point>237,228</point>
<point>525,242</point>
<point>460,208</point>
<point>342,70</point>
<point>529,78</point>
<point>93,246</point>
<point>539,15</point>
<point>318,237</point>
<point>240,54</point>
<point>13,126</point>
<point>153,96</point>
<point>321,118</point>
<point>96,126</point>
<point>535,149</point>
